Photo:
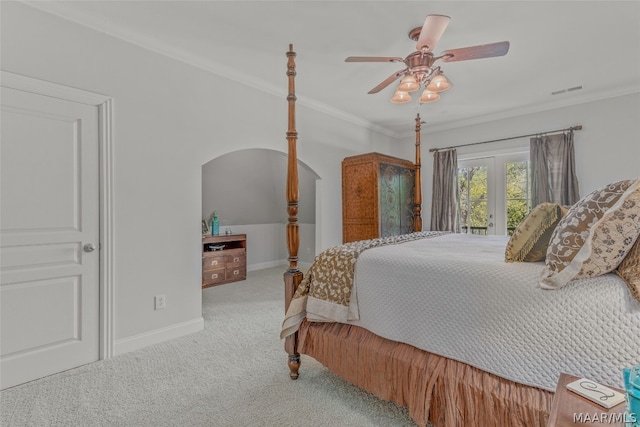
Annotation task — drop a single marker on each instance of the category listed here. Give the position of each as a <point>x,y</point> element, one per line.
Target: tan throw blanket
<point>325,293</point>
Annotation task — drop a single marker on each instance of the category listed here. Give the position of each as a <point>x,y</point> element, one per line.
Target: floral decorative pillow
<point>530,239</point>
<point>629,270</point>
<point>595,235</point>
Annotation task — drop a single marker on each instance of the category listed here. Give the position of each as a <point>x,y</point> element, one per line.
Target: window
<point>494,193</point>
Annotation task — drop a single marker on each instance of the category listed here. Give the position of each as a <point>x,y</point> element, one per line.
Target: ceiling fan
<point>420,66</point>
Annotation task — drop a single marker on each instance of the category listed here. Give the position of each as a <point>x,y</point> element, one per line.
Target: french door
<point>494,193</point>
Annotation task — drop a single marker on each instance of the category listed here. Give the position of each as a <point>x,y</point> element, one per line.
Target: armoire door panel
<point>390,197</point>
<point>407,191</point>
<point>360,188</point>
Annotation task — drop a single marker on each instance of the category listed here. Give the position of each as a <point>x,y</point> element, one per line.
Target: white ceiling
<point>554,45</point>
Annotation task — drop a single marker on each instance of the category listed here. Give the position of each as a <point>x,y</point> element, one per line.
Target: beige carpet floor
<point>233,373</point>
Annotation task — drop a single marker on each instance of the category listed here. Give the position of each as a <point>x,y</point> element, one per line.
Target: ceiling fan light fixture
<point>401,97</point>
<point>439,84</point>
<point>408,84</point>
<point>420,65</point>
<point>428,96</point>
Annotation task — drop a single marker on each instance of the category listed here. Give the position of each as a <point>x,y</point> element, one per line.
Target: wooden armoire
<point>377,196</point>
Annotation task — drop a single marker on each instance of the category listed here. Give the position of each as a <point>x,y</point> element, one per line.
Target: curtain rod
<point>572,128</point>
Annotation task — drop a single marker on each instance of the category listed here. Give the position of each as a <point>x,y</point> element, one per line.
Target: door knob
<point>89,247</point>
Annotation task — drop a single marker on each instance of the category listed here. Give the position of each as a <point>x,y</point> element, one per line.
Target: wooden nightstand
<point>566,403</point>
<point>224,259</point>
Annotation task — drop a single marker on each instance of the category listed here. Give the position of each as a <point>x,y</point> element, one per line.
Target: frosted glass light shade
<point>401,97</point>
<point>428,96</point>
<point>439,84</point>
<point>408,84</point>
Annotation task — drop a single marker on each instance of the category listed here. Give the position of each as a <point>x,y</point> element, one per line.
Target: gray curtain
<point>444,203</point>
<point>553,170</point>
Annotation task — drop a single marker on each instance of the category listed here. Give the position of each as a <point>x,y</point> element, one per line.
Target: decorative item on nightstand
<point>215,224</point>
<point>631,378</point>
<point>571,409</point>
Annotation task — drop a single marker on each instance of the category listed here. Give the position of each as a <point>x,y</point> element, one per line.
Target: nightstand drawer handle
<point>236,272</point>
<point>236,259</point>
<point>214,276</point>
<point>214,262</point>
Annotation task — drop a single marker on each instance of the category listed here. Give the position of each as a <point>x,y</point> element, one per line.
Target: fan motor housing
<point>420,62</point>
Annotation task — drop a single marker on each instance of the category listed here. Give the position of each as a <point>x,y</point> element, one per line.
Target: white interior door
<point>49,232</point>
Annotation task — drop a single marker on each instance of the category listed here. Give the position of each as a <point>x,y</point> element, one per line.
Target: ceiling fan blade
<point>476,52</point>
<point>393,77</point>
<point>373,59</point>
<point>434,26</point>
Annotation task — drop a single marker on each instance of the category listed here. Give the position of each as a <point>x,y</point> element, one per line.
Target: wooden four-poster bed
<point>487,363</point>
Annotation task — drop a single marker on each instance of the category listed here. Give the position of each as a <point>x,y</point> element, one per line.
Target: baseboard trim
<point>157,336</point>
<point>268,264</point>
<point>282,262</point>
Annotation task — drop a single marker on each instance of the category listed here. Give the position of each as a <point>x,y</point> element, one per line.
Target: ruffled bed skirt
<point>442,391</point>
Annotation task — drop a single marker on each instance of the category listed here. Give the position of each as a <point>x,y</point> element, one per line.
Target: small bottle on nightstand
<point>215,225</point>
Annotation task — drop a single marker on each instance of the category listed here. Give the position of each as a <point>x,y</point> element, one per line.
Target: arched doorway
<point>246,189</point>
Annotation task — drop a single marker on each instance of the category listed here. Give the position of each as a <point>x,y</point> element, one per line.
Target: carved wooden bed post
<point>293,276</point>
<point>417,198</point>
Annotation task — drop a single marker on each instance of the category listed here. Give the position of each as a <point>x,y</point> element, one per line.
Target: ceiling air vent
<point>571,89</point>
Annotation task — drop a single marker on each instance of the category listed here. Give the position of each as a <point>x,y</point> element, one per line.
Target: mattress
<point>455,296</point>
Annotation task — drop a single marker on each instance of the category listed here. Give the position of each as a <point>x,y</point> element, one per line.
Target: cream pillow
<point>629,270</point>
<point>530,239</point>
<point>595,235</point>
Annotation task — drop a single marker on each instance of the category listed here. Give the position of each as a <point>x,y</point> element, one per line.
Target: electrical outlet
<point>160,302</point>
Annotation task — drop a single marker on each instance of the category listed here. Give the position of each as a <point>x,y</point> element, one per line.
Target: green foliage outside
<point>518,194</point>
<point>472,185</point>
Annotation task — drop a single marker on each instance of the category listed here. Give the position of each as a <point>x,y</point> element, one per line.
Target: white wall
<point>607,148</point>
<point>249,187</point>
<point>169,119</point>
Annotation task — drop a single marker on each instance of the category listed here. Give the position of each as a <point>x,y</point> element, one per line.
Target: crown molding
<point>222,70</point>
<point>532,109</point>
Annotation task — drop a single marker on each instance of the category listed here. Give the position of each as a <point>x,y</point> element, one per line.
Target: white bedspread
<point>456,297</point>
